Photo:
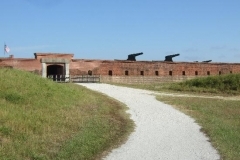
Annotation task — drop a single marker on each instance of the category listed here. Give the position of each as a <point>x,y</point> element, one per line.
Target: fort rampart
<point>120,71</point>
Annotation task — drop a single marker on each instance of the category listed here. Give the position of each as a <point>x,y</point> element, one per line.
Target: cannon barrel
<point>169,57</point>
<point>132,57</point>
<point>207,61</point>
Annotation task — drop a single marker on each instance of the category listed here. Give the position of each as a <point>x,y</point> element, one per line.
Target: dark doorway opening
<point>126,73</point>
<point>110,72</point>
<point>196,73</point>
<point>55,72</point>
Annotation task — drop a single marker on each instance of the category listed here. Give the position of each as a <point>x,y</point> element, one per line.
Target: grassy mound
<point>40,119</point>
<point>229,84</point>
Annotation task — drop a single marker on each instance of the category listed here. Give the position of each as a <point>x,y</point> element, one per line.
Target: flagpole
<point>4,49</point>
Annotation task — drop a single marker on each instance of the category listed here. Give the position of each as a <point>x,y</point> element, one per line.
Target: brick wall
<point>143,79</point>
<point>166,68</point>
<point>32,65</point>
<point>53,55</point>
<point>127,71</point>
<point>79,67</point>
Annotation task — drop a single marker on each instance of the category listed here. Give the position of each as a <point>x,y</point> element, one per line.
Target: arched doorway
<point>55,72</point>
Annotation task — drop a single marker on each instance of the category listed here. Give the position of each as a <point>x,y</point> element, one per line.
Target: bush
<point>213,84</point>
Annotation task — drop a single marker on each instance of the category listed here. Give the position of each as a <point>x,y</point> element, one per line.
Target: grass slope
<point>40,119</point>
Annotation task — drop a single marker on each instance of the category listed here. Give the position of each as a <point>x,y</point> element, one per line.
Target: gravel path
<point>161,132</point>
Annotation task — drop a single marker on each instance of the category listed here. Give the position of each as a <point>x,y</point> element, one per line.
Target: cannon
<point>132,57</point>
<point>168,58</point>
<point>207,61</point>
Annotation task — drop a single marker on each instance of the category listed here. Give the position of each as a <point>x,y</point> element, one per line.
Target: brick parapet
<point>122,70</point>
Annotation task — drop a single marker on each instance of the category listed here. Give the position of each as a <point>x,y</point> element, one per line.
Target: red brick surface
<point>120,68</point>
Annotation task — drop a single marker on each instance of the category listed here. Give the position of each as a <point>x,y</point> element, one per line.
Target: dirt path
<point>161,132</point>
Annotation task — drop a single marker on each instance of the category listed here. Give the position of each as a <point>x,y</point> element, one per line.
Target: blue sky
<point>111,29</point>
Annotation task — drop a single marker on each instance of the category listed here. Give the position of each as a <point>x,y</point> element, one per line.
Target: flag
<point>6,48</point>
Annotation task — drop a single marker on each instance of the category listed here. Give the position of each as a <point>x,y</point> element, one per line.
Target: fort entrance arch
<point>55,68</point>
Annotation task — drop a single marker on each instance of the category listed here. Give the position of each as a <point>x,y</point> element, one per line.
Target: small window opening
<point>183,73</point>
<point>196,73</point>
<point>208,72</point>
<point>219,72</point>
<point>90,72</point>
<point>170,73</point>
<point>142,73</point>
<point>110,72</point>
<point>231,72</point>
<point>126,73</point>
<point>156,73</point>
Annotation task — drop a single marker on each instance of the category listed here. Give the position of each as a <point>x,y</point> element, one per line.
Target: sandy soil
<point>161,132</point>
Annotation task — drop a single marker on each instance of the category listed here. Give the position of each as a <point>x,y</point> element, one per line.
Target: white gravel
<point>161,132</point>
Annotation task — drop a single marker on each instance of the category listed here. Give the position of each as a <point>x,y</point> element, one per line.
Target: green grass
<point>40,119</point>
<point>224,84</point>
